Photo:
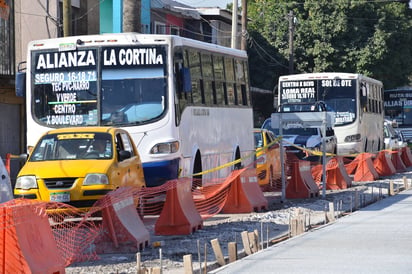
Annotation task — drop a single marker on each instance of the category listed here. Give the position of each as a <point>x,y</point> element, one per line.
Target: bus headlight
<point>26,182</point>
<point>353,138</point>
<point>169,147</point>
<point>95,179</point>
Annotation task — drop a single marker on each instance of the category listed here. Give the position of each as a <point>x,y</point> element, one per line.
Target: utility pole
<point>234,23</point>
<point>67,22</point>
<point>291,19</point>
<point>244,25</point>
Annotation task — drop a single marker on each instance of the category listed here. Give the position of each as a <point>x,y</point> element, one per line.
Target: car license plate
<point>60,197</point>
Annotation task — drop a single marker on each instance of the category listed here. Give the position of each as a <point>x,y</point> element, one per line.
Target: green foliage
<point>369,37</point>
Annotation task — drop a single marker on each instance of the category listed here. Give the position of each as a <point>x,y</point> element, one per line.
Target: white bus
<point>186,103</point>
<point>357,101</point>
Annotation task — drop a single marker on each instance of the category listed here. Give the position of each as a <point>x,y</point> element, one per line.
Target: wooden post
<point>331,213</point>
<point>138,262</point>
<point>218,251</point>
<point>391,190</point>
<point>187,264</point>
<point>246,244</point>
<point>258,246</point>
<point>252,242</point>
<point>232,247</point>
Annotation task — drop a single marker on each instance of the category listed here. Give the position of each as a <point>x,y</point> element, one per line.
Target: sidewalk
<point>375,239</point>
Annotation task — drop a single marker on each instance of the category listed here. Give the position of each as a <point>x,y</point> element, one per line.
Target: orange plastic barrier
<point>122,228</point>
<point>244,194</point>
<point>365,171</point>
<point>179,215</point>
<point>301,183</point>
<point>406,156</point>
<point>336,175</point>
<point>383,164</point>
<point>27,244</point>
<point>397,161</point>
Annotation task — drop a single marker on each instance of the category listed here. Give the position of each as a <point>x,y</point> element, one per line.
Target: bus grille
<point>59,183</point>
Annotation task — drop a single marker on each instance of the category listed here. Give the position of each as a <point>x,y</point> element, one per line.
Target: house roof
<point>176,7</point>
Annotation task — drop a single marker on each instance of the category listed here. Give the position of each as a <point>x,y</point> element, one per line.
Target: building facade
<point>22,21</point>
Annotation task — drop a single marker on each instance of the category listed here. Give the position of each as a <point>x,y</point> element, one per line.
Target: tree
<point>368,37</point>
<point>131,15</point>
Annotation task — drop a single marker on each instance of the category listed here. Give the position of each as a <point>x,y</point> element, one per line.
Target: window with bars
<point>7,62</point>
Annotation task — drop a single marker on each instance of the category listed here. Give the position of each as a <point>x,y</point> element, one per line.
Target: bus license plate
<point>60,197</point>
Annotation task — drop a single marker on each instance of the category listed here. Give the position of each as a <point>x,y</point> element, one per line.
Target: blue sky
<point>207,3</point>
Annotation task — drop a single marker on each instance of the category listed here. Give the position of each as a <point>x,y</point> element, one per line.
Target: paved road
<point>375,239</point>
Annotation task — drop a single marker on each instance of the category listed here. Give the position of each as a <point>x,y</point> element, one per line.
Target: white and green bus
<point>356,100</point>
<point>186,103</point>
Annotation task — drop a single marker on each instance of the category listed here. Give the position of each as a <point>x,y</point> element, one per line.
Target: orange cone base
<point>123,230</point>
<point>27,245</point>
<point>383,164</point>
<point>245,195</point>
<point>301,183</point>
<point>179,215</point>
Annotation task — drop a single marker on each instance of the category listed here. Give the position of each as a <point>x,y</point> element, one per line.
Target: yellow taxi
<point>268,167</point>
<point>78,166</point>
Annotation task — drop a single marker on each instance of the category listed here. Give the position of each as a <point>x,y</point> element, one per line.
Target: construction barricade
<point>383,163</point>
<point>397,161</point>
<point>336,175</point>
<point>179,215</point>
<point>26,239</point>
<point>301,183</point>
<point>406,156</point>
<point>122,228</point>
<point>245,194</point>
<point>362,168</point>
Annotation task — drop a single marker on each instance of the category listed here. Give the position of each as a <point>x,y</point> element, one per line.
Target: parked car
<point>268,165</point>
<point>391,137</point>
<point>307,138</point>
<point>80,165</point>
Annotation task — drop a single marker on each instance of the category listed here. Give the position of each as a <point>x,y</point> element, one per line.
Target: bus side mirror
<point>186,80</point>
<point>21,83</point>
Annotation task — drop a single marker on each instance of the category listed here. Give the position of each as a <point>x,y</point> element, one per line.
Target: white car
<point>391,137</point>
<point>309,138</point>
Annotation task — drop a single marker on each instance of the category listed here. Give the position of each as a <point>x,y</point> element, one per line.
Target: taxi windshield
<point>73,146</point>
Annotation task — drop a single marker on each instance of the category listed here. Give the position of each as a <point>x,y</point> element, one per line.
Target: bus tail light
<point>353,138</point>
<point>169,147</point>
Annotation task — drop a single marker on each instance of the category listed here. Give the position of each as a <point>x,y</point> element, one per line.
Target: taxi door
<point>129,169</point>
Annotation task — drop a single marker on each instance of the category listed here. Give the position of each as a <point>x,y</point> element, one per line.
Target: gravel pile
<point>167,251</point>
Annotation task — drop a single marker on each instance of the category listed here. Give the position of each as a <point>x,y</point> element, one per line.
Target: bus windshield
<point>132,96</point>
<point>99,86</point>
<point>339,96</point>
<point>340,99</point>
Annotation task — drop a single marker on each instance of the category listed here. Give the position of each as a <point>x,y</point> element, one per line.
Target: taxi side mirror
<point>124,154</point>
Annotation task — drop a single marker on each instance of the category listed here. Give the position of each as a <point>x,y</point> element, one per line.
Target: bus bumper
<point>349,148</point>
<point>158,173</point>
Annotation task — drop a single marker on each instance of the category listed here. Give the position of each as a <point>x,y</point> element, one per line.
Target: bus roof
<point>326,75</point>
<point>130,39</point>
